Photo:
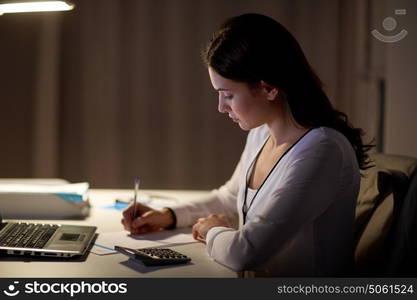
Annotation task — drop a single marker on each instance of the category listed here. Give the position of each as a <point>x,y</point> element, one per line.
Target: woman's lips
<point>233,119</point>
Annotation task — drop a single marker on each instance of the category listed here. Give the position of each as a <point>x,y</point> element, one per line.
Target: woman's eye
<point>228,97</point>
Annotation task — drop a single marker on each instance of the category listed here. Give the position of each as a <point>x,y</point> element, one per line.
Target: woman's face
<point>250,108</point>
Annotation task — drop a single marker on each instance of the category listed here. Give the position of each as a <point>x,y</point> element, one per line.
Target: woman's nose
<point>223,106</point>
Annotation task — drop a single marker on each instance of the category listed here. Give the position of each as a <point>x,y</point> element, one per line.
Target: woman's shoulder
<point>325,141</point>
<point>319,140</point>
<point>315,136</point>
<point>322,136</point>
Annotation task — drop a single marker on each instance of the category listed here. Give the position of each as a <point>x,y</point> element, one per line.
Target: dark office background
<point>116,89</point>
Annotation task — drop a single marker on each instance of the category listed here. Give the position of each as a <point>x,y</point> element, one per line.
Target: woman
<point>294,189</point>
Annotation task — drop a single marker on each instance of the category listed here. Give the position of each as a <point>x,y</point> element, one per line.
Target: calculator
<point>155,256</point>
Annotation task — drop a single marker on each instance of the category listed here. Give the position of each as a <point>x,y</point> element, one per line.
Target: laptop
<point>44,240</point>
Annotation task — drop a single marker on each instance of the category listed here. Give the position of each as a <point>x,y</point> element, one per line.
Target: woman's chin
<point>243,126</point>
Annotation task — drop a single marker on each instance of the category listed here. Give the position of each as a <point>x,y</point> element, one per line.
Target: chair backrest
<point>383,223</point>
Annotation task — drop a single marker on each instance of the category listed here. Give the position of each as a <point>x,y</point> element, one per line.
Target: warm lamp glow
<point>22,7</point>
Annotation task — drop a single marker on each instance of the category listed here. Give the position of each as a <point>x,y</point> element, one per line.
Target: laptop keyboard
<point>27,235</point>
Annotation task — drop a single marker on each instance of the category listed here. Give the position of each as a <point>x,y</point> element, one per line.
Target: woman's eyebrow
<point>222,89</point>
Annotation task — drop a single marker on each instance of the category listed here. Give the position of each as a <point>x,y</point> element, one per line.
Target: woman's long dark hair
<point>250,48</point>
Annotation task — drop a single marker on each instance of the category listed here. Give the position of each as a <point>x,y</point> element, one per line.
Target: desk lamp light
<point>33,6</point>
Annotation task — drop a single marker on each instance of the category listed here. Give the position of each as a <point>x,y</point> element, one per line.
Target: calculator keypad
<point>160,256</point>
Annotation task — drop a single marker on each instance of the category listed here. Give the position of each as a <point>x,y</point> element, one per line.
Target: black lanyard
<point>249,170</point>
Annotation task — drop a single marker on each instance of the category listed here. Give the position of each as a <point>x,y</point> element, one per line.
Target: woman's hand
<point>146,219</point>
<point>203,225</point>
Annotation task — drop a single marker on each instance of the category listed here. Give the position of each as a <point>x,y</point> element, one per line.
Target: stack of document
<point>40,200</point>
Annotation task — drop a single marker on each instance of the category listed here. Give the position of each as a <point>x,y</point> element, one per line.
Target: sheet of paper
<point>106,241</point>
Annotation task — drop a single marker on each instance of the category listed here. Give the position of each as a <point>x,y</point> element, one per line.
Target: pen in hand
<point>135,198</point>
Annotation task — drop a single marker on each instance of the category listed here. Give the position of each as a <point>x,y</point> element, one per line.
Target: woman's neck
<point>285,130</point>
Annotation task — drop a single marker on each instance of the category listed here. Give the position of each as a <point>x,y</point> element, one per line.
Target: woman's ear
<point>270,91</point>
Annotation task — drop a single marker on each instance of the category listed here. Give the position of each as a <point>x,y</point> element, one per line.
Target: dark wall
<point>18,52</point>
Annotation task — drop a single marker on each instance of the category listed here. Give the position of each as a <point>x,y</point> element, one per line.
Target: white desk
<point>115,265</point>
